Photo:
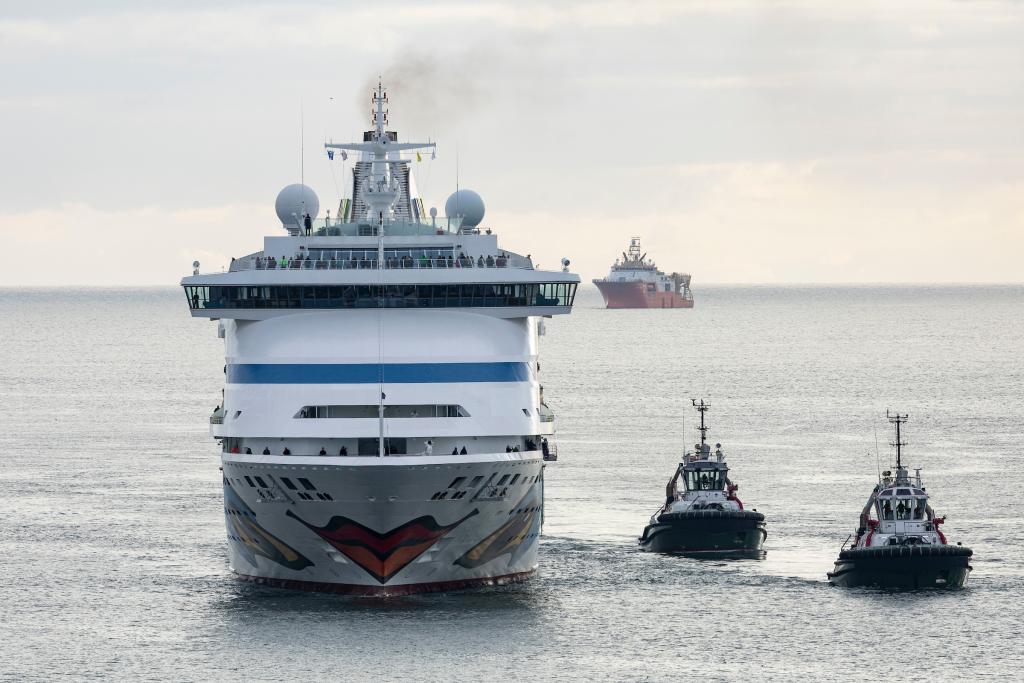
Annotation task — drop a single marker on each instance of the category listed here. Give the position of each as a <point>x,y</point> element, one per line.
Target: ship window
<point>373,411</point>
<point>514,479</point>
<point>921,509</point>
<point>288,483</point>
<point>475,481</point>
<point>526,412</point>
<point>249,481</point>
<point>383,296</point>
<point>503,479</point>
<point>456,482</point>
<point>886,509</point>
<point>705,480</point>
<point>263,484</point>
<point>307,484</point>
<point>903,492</point>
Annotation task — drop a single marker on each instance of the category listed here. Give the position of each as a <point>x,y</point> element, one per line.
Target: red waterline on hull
<point>386,591</point>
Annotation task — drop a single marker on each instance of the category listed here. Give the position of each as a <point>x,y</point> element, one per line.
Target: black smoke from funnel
<point>429,94</point>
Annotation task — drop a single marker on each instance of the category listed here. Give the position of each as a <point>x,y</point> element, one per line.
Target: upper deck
<point>382,250</point>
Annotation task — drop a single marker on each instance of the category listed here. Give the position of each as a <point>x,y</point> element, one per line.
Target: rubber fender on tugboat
<point>667,517</point>
<point>891,551</point>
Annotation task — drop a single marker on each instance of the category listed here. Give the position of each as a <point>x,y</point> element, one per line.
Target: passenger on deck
<point>308,222</point>
<point>463,451</point>
<point>343,451</point>
<point>508,449</point>
<point>266,450</point>
<point>286,451</point>
<point>490,261</point>
<point>429,447</point>
<point>455,451</point>
<point>248,451</point>
<point>480,262</point>
<point>704,481</point>
<point>531,445</point>
<point>234,449</point>
<point>323,451</point>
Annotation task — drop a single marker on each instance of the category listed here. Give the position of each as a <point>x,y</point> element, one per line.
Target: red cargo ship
<point>635,282</point>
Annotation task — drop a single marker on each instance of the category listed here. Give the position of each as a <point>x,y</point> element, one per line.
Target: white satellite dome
<point>294,202</point>
<point>468,205</point>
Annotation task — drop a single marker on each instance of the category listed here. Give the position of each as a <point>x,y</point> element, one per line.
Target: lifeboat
<point>902,546</point>
<point>706,517</point>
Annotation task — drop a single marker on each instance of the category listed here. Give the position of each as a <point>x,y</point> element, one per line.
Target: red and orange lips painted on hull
<point>634,294</point>
<point>381,555</point>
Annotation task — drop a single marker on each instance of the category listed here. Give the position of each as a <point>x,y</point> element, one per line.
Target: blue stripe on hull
<point>372,373</point>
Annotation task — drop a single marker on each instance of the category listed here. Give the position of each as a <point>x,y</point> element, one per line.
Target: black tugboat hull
<point>903,567</point>
<point>717,533</point>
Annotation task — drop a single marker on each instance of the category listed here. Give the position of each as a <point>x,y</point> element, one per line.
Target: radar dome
<point>294,202</point>
<point>468,205</point>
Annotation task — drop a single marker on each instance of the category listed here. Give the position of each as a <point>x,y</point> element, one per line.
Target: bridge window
<point>705,480</point>
<point>383,296</point>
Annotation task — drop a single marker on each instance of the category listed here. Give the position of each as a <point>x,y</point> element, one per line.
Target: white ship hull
<point>381,525</point>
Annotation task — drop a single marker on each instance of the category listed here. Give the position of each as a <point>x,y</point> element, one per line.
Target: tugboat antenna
<point>897,419</point>
<point>702,408</point>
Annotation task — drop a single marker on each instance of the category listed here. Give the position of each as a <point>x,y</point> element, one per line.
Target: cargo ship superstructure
<point>635,282</point>
<point>383,425</point>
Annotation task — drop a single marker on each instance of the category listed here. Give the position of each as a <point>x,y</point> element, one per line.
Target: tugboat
<point>707,518</point>
<point>903,547</point>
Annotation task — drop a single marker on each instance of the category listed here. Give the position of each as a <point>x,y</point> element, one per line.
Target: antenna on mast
<point>302,151</point>
<point>899,443</point>
<point>702,408</point>
<point>878,458</point>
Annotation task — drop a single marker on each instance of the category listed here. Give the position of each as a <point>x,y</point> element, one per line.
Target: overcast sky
<point>743,141</point>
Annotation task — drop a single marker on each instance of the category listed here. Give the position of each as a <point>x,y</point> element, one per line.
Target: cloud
<point>78,243</point>
<point>801,222</point>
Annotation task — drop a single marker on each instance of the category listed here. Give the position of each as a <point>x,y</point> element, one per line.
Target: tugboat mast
<point>897,419</point>
<point>702,408</point>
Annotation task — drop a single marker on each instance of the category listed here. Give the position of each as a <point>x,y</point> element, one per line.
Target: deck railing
<point>393,263</point>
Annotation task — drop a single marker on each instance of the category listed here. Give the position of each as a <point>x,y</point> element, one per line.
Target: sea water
<point>112,543</point>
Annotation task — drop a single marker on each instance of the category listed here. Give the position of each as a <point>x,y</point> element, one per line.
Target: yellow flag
<point>418,157</point>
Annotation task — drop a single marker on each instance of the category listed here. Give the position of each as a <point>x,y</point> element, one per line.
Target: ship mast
<point>899,443</point>
<point>702,408</point>
<point>382,189</point>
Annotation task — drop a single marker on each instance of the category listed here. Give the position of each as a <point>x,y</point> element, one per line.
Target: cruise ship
<point>635,282</point>
<point>383,427</point>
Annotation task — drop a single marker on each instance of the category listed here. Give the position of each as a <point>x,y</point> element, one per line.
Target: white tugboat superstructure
<point>383,426</point>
